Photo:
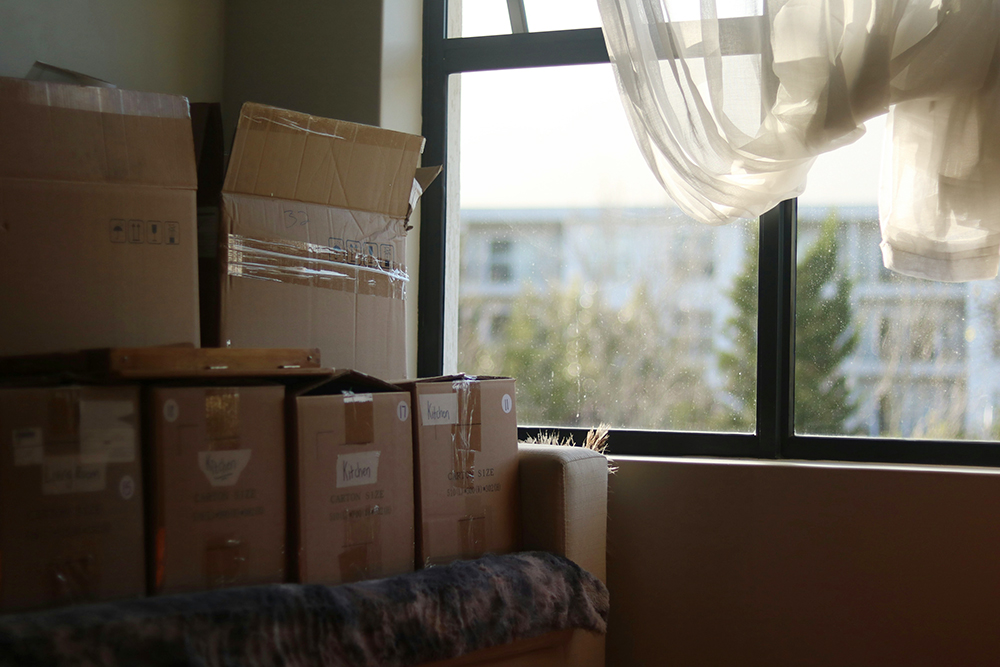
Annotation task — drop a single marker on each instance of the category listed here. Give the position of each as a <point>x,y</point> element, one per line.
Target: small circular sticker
<point>126,487</point>
<point>403,411</point>
<point>507,403</point>
<point>171,411</point>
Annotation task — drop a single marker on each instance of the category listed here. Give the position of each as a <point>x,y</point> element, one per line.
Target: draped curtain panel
<point>731,101</point>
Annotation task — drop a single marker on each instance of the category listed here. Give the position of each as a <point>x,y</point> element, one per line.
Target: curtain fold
<point>730,102</point>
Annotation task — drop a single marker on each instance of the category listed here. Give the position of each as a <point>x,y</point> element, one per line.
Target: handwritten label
<point>68,474</point>
<point>29,447</point>
<point>223,467</point>
<point>107,434</point>
<point>357,469</point>
<point>436,409</point>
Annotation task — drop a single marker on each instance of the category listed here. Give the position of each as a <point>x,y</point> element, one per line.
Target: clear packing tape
<point>466,438</point>
<point>225,555</point>
<point>314,265</point>
<point>361,553</point>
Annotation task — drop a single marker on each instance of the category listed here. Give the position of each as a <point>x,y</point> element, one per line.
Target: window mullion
<point>431,293</point>
<point>776,328</point>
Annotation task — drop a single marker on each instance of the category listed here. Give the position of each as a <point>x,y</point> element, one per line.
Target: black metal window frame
<point>775,437</point>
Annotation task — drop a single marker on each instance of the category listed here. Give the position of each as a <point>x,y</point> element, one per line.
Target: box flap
<point>291,155</point>
<point>350,381</point>
<point>449,378</point>
<point>45,72</point>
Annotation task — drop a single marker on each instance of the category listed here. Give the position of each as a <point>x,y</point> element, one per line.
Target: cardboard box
<point>313,235</point>
<point>71,502</point>
<point>353,504</point>
<point>217,486</point>
<point>97,218</point>
<point>465,445</point>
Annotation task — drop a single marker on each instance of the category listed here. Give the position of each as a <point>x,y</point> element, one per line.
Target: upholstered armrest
<point>564,504</point>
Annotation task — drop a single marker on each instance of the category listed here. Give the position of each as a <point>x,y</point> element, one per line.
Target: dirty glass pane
<point>576,273</point>
<point>880,354</point>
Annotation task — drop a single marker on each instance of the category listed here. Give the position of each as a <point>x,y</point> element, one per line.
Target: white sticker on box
<point>107,433</point>
<point>437,409</point>
<point>69,474</point>
<point>29,447</point>
<point>126,487</point>
<point>223,467</point>
<point>507,403</point>
<point>403,411</point>
<point>357,469</point>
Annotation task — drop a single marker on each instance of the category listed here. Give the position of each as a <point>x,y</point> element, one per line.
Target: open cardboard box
<point>313,232</point>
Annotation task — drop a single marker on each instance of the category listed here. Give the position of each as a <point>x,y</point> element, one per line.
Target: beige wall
<point>400,109</point>
<point>171,46</point>
<point>321,57</point>
<point>773,564</point>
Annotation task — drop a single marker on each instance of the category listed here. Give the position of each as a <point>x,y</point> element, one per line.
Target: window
<point>544,255</point>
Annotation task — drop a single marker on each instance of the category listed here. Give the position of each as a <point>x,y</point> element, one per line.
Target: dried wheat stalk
<point>597,440</point>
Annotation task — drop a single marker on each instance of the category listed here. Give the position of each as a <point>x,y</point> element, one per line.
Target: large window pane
<point>879,354</point>
<point>577,275</point>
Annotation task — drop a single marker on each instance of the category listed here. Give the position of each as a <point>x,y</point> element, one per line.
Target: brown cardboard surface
<point>314,221</point>
<point>71,501</point>
<point>465,444</point>
<point>217,486</point>
<point>353,501</point>
<point>97,218</point>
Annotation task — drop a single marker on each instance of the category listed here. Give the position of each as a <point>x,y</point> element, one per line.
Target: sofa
<point>564,508</point>
<point>546,605</point>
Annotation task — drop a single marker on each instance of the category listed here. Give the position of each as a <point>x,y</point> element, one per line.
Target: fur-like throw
<point>433,614</point>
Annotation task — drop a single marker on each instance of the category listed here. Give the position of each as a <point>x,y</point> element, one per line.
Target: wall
<point>171,46</point>
<point>774,564</point>
<point>400,109</point>
<point>321,57</point>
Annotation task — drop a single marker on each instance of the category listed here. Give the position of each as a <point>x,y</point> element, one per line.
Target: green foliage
<point>738,363</point>
<point>824,337</point>
<point>580,362</point>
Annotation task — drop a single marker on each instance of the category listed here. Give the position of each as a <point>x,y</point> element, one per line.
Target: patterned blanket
<point>428,615</point>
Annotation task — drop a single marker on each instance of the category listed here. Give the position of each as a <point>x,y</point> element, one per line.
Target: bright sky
<point>558,137</point>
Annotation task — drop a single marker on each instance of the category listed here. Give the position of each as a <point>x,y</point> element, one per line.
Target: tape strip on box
<point>361,556</point>
<point>467,442</point>
<point>313,265</point>
<point>222,418</point>
<point>226,559</point>
<point>466,435</point>
<point>359,419</point>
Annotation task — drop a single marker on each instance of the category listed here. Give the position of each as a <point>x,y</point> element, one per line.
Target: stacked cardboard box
<point>314,222</point>
<point>71,496</point>
<point>216,459</point>
<point>97,218</point>
<point>353,492</point>
<point>465,444</point>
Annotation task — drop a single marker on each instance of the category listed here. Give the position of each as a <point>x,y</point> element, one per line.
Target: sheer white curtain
<point>730,102</point>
